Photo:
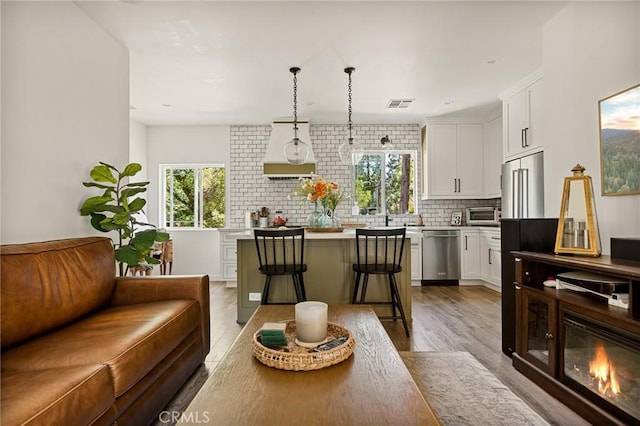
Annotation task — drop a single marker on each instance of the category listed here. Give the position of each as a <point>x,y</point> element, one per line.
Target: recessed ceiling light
<point>166,105</point>
<point>448,103</point>
<point>491,61</point>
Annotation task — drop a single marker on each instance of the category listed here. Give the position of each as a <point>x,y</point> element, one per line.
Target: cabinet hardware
<point>465,242</point>
<point>495,238</point>
<point>522,138</point>
<point>459,186</point>
<point>548,336</point>
<point>526,143</point>
<point>489,256</point>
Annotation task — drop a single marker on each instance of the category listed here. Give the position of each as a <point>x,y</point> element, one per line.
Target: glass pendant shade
<point>296,151</point>
<point>351,152</point>
<point>578,225</point>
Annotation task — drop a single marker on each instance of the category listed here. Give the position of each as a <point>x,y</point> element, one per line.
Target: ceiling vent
<point>399,103</point>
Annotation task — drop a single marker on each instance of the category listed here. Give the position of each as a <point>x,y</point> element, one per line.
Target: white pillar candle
<point>311,322</point>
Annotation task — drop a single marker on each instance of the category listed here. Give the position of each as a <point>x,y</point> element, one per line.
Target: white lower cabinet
<point>416,259</point>
<point>228,255</point>
<point>470,258</point>
<point>495,270</point>
<point>490,258</point>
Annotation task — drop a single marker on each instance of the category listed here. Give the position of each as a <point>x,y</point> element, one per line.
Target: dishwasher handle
<point>441,234</point>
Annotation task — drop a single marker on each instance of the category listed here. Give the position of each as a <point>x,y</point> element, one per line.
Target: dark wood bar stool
<point>281,252</point>
<point>379,252</point>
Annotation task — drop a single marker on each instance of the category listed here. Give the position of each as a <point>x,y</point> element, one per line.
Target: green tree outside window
<point>385,180</point>
<point>194,197</point>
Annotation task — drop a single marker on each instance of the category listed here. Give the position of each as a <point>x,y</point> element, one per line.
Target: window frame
<point>199,205</point>
<point>383,201</point>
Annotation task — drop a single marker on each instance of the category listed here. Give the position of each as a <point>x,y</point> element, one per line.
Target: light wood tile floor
<point>445,318</point>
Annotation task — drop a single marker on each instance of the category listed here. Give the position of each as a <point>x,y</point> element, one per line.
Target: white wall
<point>138,149</point>
<point>590,50</point>
<point>195,252</point>
<point>65,106</point>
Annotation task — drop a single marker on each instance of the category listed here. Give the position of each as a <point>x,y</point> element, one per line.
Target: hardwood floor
<point>446,318</point>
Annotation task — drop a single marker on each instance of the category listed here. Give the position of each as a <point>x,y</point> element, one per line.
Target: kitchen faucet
<point>387,219</point>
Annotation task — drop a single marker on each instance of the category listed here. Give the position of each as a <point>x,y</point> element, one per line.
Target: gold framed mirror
<point>578,226</point>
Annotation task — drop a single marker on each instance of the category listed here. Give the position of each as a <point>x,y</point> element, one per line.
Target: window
<point>385,183</point>
<point>193,196</point>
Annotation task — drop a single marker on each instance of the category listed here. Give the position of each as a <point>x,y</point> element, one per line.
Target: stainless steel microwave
<point>483,216</point>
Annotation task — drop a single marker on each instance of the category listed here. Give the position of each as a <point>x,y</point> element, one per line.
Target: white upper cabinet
<point>493,158</point>
<point>522,113</point>
<point>454,160</point>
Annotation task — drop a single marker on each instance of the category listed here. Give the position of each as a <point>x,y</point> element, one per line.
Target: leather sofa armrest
<point>130,290</point>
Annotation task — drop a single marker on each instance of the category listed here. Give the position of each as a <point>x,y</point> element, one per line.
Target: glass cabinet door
<point>538,337</point>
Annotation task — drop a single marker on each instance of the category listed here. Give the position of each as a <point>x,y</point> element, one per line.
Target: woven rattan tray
<point>298,358</point>
<point>324,230</point>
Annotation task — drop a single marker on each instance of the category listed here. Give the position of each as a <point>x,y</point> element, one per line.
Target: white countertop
<point>350,233</point>
<point>347,234</point>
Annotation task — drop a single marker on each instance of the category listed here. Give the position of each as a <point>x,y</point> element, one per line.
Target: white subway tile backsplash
<point>250,190</point>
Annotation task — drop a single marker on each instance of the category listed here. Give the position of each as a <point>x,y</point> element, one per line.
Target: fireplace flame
<point>601,369</point>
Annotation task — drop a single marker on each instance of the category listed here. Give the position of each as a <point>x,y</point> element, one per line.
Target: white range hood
<point>275,165</point>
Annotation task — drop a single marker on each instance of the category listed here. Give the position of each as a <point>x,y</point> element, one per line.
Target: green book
<point>272,334</point>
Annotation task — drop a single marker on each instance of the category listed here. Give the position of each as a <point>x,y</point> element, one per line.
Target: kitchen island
<point>329,278</point>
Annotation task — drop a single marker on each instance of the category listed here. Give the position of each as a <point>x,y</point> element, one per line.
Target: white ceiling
<point>212,62</point>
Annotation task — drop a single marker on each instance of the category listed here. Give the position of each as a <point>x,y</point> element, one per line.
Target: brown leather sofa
<point>82,346</point>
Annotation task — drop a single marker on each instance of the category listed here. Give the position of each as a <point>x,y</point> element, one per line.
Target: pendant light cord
<point>349,71</point>
<point>295,103</point>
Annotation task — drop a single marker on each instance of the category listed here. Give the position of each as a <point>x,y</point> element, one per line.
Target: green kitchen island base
<point>329,278</point>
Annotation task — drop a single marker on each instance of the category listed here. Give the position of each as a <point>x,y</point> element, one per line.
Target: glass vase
<point>315,219</point>
<point>325,219</point>
<point>334,221</point>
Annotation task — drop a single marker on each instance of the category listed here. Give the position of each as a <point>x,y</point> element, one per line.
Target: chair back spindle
<point>281,252</point>
<point>387,246</point>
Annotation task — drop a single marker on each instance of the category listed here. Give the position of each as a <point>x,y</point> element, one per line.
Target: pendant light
<point>350,152</point>
<point>295,151</point>
<point>386,143</point>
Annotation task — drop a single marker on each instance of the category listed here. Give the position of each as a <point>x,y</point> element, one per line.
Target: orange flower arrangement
<point>328,193</point>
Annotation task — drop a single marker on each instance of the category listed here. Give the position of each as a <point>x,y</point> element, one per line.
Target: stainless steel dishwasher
<point>440,255</point>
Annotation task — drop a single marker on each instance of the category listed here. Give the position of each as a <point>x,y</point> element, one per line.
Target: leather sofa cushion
<point>61,396</point>
<point>130,339</point>
<point>46,285</point>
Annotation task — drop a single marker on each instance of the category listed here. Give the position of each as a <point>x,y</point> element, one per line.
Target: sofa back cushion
<point>49,284</point>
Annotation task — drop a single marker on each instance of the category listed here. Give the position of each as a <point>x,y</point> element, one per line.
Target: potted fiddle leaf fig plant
<point>115,210</point>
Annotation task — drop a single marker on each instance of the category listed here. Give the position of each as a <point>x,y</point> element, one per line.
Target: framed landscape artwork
<point>620,142</point>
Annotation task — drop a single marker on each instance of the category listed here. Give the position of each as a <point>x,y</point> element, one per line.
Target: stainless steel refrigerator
<point>523,187</point>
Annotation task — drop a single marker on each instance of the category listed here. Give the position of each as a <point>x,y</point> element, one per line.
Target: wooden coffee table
<point>372,387</point>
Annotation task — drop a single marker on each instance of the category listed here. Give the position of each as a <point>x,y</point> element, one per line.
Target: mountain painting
<point>620,142</point>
